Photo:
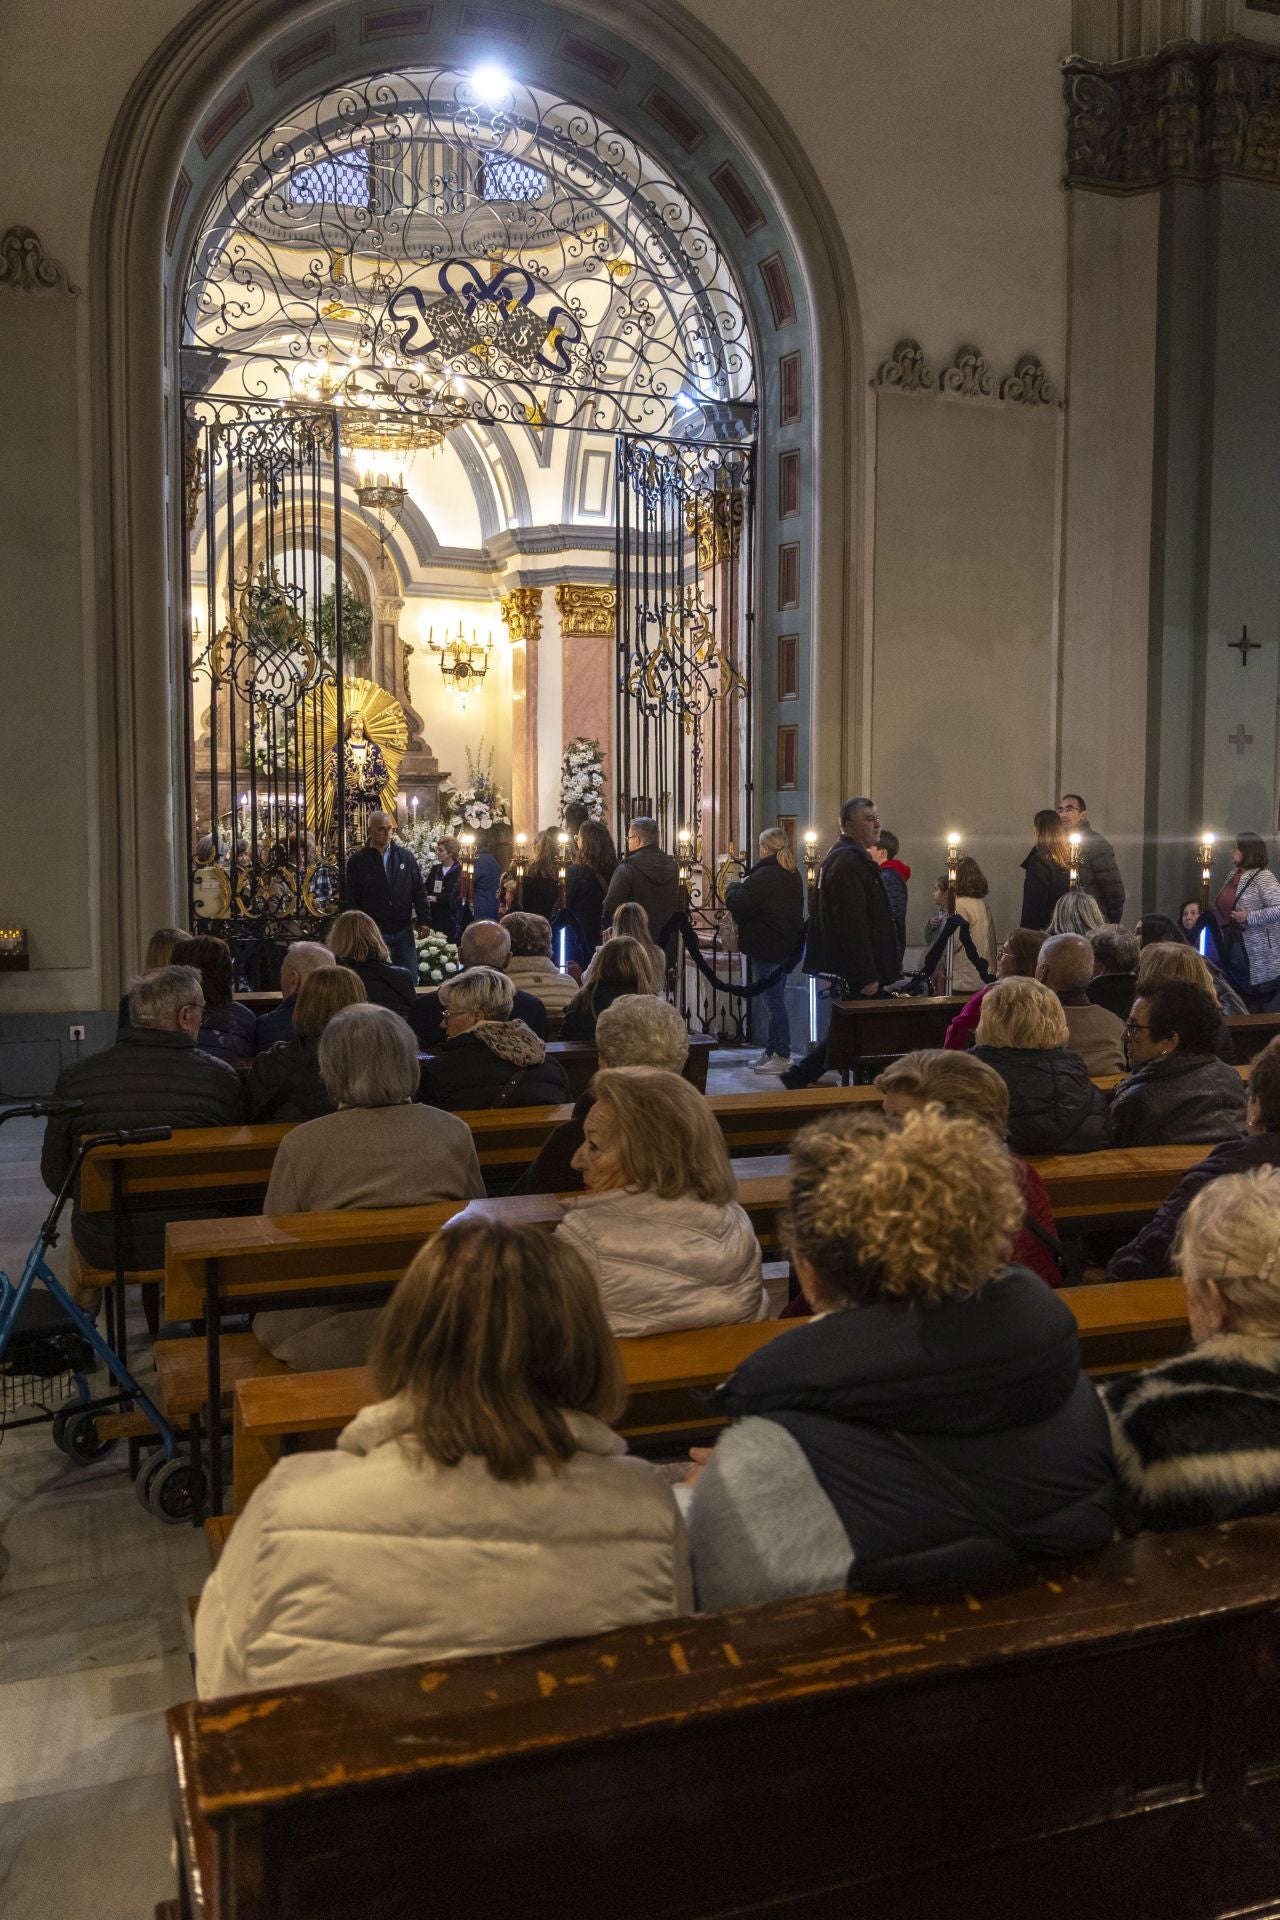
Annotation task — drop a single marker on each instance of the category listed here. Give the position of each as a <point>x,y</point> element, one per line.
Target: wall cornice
<point>1190,112</point>
<point>967,377</point>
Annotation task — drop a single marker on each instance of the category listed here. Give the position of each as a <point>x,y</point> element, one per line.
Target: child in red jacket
<point>894,874</point>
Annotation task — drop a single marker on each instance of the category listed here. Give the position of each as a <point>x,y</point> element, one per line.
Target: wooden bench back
<point>1096,1734</point>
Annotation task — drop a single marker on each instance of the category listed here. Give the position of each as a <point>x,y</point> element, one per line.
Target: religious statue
<point>364,773</point>
<point>368,751</point>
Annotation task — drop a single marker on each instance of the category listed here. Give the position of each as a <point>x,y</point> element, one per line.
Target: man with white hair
<point>483,944</point>
<point>637,1031</point>
<point>1066,967</point>
<point>154,1076</point>
<point>301,958</point>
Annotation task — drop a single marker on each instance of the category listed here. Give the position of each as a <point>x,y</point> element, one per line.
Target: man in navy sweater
<point>385,881</point>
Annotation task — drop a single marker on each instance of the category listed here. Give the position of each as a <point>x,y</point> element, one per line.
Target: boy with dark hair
<point>894,875</point>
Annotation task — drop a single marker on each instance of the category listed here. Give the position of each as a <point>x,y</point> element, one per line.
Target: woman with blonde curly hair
<point>930,1426</point>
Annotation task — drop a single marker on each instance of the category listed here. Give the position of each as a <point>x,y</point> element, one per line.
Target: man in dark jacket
<point>301,958</point>
<point>385,881</point>
<point>1099,874</point>
<point>768,906</point>
<point>1115,978</point>
<point>483,944</point>
<point>154,1076</point>
<point>852,935</point>
<point>647,874</point>
<point>1149,1255</point>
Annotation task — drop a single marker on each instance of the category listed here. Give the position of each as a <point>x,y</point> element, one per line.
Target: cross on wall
<point>1240,739</point>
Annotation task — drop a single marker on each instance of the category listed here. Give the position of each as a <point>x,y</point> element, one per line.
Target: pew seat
<point>1098,1735</point>
<point>1124,1325</point>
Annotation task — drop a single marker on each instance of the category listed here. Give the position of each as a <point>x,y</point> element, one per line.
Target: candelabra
<point>684,860</point>
<point>1073,866</point>
<point>1207,844</point>
<point>811,859</point>
<point>519,865</point>
<point>562,865</point>
<point>467,841</point>
<point>953,868</point>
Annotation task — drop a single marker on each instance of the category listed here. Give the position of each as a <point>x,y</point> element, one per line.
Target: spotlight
<point>491,86</point>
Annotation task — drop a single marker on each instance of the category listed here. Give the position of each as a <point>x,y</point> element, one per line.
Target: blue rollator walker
<point>170,1485</point>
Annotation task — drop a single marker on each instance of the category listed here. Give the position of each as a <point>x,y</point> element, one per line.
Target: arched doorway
<point>233,70</point>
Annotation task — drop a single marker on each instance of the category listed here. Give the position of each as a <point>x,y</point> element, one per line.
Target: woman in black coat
<point>540,889</point>
<point>1048,871</point>
<point>1054,1106</point>
<point>355,942</point>
<point>586,885</point>
<point>284,1082</point>
<point>621,967</point>
<point>487,1059</point>
<point>768,906</point>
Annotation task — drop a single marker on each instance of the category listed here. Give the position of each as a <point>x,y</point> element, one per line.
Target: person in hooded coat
<point>648,875</point>
<point>487,1059</point>
<point>1054,1106</point>
<point>930,1426</point>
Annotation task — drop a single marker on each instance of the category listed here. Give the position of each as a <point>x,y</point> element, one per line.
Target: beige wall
<point>934,129</point>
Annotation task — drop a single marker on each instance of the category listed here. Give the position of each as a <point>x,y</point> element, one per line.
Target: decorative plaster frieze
<point>1189,112</point>
<point>968,377</point>
<point>27,268</point>
<point>589,613</point>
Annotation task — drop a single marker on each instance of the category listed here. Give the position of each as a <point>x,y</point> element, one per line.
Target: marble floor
<point>93,1648</point>
<point>94,1637</point>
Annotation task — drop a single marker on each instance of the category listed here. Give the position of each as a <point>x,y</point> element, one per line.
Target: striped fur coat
<point>1197,1439</point>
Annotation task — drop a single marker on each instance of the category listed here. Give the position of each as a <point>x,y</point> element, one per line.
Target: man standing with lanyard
<point>852,935</point>
<point>385,881</point>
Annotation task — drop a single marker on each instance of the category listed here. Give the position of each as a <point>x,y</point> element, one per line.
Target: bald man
<point>385,881</point>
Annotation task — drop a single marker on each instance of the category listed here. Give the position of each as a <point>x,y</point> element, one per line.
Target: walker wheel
<point>60,1420</point>
<point>174,1490</point>
<point>146,1474</point>
<point>79,1438</point>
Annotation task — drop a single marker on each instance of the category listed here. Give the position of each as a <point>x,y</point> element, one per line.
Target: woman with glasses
<point>1178,1092</point>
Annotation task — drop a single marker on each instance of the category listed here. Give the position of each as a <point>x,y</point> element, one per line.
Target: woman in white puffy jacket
<point>482,1504</point>
<point>658,1225</point>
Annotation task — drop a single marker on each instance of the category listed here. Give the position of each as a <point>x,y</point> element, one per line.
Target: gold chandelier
<point>463,663</point>
<point>384,444</point>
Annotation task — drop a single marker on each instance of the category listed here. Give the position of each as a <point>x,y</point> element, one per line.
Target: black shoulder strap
<point>503,1095</point>
<point>972,1502</point>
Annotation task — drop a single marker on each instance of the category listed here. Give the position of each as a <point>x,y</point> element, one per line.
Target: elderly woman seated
<point>481,1504</point>
<point>487,1059</point>
<point>1162,961</point>
<point>1197,1439</point>
<point>1179,1092</point>
<point>621,966</point>
<point>378,1149</point>
<point>1016,960</point>
<point>285,1083</point>
<point>639,1031</point>
<point>1115,969</point>
<point>228,1030</point>
<point>1054,1106</point>
<point>658,1225</point>
<point>961,1085</point>
<point>930,1426</point>
<point>1066,965</point>
<point>531,968</point>
<point>354,940</point>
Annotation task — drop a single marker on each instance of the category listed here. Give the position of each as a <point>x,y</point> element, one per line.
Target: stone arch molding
<point>220,80</point>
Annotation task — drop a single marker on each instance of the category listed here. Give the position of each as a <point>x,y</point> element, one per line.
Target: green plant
<point>357,626</point>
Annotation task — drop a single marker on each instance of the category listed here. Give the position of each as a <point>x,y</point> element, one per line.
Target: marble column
<point>588,628</point>
<point>522,616</point>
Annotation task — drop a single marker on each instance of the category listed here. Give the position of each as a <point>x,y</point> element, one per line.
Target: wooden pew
<point>1251,1032</point>
<point>580,1061</point>
<point>250,1264</point>
<point>874,1029</point>
<point>1100,1735</point>
<point>1124,1325</point>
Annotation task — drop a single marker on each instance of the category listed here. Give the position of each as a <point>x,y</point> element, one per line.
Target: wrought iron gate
<point>268,777</point>
<point>683,735</point>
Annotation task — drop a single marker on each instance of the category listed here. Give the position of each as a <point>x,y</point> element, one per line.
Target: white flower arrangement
<point>437,959</point>
<point>582,777</point>
<point>478,805</point>
<point>420,837</point>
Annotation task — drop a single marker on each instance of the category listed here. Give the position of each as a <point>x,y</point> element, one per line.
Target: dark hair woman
<point>587,883</point>
<point>1246,915</point>
<point>622,967</point>
<point>1048,870</point>
<point>228,1030</point>
<point>541,890</point>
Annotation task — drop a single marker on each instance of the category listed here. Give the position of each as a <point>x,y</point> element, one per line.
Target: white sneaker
<point>771,1063</point>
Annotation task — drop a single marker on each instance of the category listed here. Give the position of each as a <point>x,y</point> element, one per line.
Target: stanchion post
<point>811,888</point>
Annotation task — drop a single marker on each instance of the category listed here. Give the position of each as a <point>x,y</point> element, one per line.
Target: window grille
<point>340,182</point>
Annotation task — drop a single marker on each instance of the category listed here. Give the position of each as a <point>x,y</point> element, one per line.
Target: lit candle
<point>811,857</point>
<point>1073,871</point>
<point>1207,843</point>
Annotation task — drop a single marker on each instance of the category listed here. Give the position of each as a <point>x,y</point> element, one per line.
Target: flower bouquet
<point>582,777</point>
<point>477,805</point>
<point>437,959</point>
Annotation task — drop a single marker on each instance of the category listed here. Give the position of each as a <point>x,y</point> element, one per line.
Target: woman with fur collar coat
<point>1197,1439</point>
<point>487,1059</point>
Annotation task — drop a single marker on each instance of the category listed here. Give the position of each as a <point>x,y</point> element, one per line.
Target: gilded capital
<point>1188,112</point>
<point>521,611</point>
<point>589,613</point>
<point>714,518</point>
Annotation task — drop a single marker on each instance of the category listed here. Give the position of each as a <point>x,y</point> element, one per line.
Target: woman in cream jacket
<point>658,1225</point>
<point>451,1520</point>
